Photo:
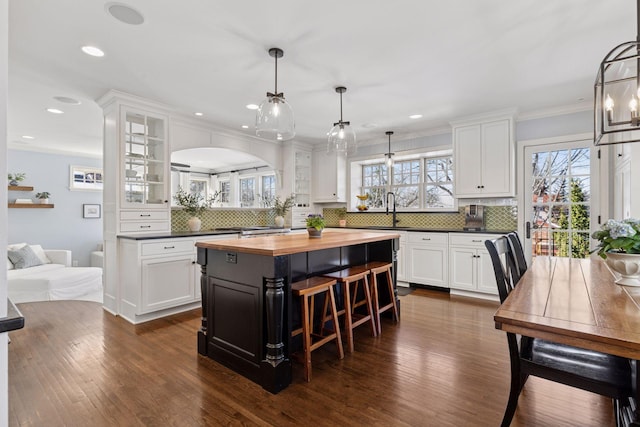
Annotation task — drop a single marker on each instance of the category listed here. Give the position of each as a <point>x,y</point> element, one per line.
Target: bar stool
<point>376,268</point>
<point>307,290</point>
<point>351,278</point>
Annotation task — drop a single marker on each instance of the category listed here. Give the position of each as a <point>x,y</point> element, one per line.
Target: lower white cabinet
<point>159,277</point>
<point>426,259</point>
<point>470,267</point>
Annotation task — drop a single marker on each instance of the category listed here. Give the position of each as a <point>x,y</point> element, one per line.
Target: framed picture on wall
<point>90,211</point>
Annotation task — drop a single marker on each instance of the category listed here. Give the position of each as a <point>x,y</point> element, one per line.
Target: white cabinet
<point>484,159</point>
<point>329,177</point>
<point>159,277</point>
<point>401,256</point>
<point>470,267</point>
<point>426,259</point>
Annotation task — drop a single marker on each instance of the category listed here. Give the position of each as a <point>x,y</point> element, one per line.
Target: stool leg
<point>306,337</point>
<point>367,296</point>
<point>334,315</point>
<point>375,302</point>
<point>392,295</point>
<point>348,324</point>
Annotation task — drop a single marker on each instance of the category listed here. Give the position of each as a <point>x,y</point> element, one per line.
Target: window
<point>438,183</point>
<point>268,189</point>
<point>420,181</point>
<point>199,186</point>
<point>85,178</point>
<point>247,192</point>
<point>225,191</point>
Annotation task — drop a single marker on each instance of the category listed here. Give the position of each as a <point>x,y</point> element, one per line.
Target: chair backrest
<point>518,255</point>
<point>504,266</point>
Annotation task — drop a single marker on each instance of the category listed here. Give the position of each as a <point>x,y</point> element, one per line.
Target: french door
<point>560,200</point>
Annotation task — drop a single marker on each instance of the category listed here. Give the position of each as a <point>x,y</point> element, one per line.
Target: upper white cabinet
<point>484,158</point>
<point>329,177</point>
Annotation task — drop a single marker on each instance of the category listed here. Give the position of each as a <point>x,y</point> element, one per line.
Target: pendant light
<point>274,118</point>
<point>616,94</point>
<point>342,138</point>
<point>389,155</point>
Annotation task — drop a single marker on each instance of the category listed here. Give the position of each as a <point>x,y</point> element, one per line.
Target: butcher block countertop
<point>287,244</point>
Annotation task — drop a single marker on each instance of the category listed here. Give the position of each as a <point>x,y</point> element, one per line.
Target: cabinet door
<point>145,160</point>
<point>329,177</point>
<point>302,178</point>
<point>486,279</point>
<point>467,149</point>
<point>462,266</point>
<point>496,159</point>
<point>167,282</point>
<point>401,274</point>
<point>427,265</point>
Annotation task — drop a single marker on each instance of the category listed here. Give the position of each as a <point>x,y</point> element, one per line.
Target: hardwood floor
<point>444,364</point>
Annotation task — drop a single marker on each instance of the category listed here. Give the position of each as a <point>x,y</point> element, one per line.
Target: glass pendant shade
<point>342,137</point>
<point>274,119</point>
<point>388,156</point>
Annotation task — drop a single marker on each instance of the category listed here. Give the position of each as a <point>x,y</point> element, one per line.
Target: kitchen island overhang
<point>247,307</point>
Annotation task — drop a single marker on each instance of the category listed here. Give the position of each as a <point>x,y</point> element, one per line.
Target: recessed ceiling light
<point>415,116</point>
<point>55,111</point>
<point>93,51</point>
<point>124,13</point>
<point>252,106</point>
<point>67,100</point>
<point>245,127</point>
<point>199,114</point>
<point>27,137</point>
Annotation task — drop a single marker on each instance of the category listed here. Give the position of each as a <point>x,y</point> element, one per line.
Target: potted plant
<point>15,178</point>
<point>43,197</point>
<point>280,209</point>
<point>342,216</point>
<point>194,205</point>
<point>620,247</point>
<point>315,225</point>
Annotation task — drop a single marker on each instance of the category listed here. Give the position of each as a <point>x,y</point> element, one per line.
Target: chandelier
<point>617,94</point>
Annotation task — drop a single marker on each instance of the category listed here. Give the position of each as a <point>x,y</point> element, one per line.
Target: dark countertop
<point>431,230</point>
<point>14,319</point>
<point>172,234</point>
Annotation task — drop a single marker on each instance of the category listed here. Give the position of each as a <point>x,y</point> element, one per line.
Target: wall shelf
<point>31,205</point>
<point>19,188</point>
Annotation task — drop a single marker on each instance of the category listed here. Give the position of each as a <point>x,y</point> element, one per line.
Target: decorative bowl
<point>362,196</point>
<point>627,265</point>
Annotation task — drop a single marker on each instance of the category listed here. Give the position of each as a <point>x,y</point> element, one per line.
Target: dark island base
<point>248,311</point>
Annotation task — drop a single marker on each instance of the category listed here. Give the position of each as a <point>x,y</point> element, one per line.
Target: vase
<point>14,183</point>
<point>44,201</point>
<point>342,222</point>
<point>279,221</point>
<point>627,265</point>
<point>313,233</point>
<point>194,223</point>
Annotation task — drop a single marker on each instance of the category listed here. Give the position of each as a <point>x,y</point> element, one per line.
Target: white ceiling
<point>444,60</point>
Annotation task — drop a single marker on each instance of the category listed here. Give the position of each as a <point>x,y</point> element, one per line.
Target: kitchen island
<point>247,309</point>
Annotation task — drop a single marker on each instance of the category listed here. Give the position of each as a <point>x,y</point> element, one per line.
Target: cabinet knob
<point>145,226</point>
<point>425,239</point>
<point>169,247</point>
<point>619,154</point>
<point>142,215</point>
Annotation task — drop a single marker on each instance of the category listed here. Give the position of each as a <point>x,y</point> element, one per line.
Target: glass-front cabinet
<point>144,165</point>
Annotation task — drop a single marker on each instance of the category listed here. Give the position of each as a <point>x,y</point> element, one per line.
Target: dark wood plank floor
<point>443,365</point>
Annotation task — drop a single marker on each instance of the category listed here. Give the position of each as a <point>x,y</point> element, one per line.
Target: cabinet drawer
<point>134,227</point>
<point>143,215</point>
<point>428,238</point>
<point>474,240</point>
<point>170,247</point>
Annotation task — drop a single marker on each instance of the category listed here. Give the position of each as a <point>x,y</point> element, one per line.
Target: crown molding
<point>19,146</point>
<point>555,111</point>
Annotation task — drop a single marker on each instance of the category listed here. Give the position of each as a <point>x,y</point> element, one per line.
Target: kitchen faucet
<point>395,220</point>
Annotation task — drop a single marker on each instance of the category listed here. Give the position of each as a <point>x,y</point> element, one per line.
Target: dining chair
<point>600,373</point>
<point>518,254</point>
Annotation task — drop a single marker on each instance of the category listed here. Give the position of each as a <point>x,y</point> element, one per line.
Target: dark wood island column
<point>247,308</point>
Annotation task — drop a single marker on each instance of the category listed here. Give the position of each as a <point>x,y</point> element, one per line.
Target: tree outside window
<point>247,192</point>
<point>438,183</point>
<point>225,191</point>
<point>406,183</point>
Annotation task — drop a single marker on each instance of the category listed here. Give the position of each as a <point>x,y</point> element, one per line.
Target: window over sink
<point>421,182</point>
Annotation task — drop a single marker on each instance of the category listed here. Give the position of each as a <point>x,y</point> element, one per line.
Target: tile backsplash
<point>496,218</point>
<point>216,218</point>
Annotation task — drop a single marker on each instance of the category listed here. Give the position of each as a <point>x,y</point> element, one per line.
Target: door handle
<point>528,231</point>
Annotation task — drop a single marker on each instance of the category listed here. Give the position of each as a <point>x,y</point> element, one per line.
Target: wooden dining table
<point>575,302</point>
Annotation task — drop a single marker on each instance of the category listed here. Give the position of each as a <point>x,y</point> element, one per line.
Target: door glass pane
<point>560,209</point>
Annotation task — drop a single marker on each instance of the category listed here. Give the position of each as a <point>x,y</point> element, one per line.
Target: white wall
<point>62,227</point>
<point>4,60</point>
